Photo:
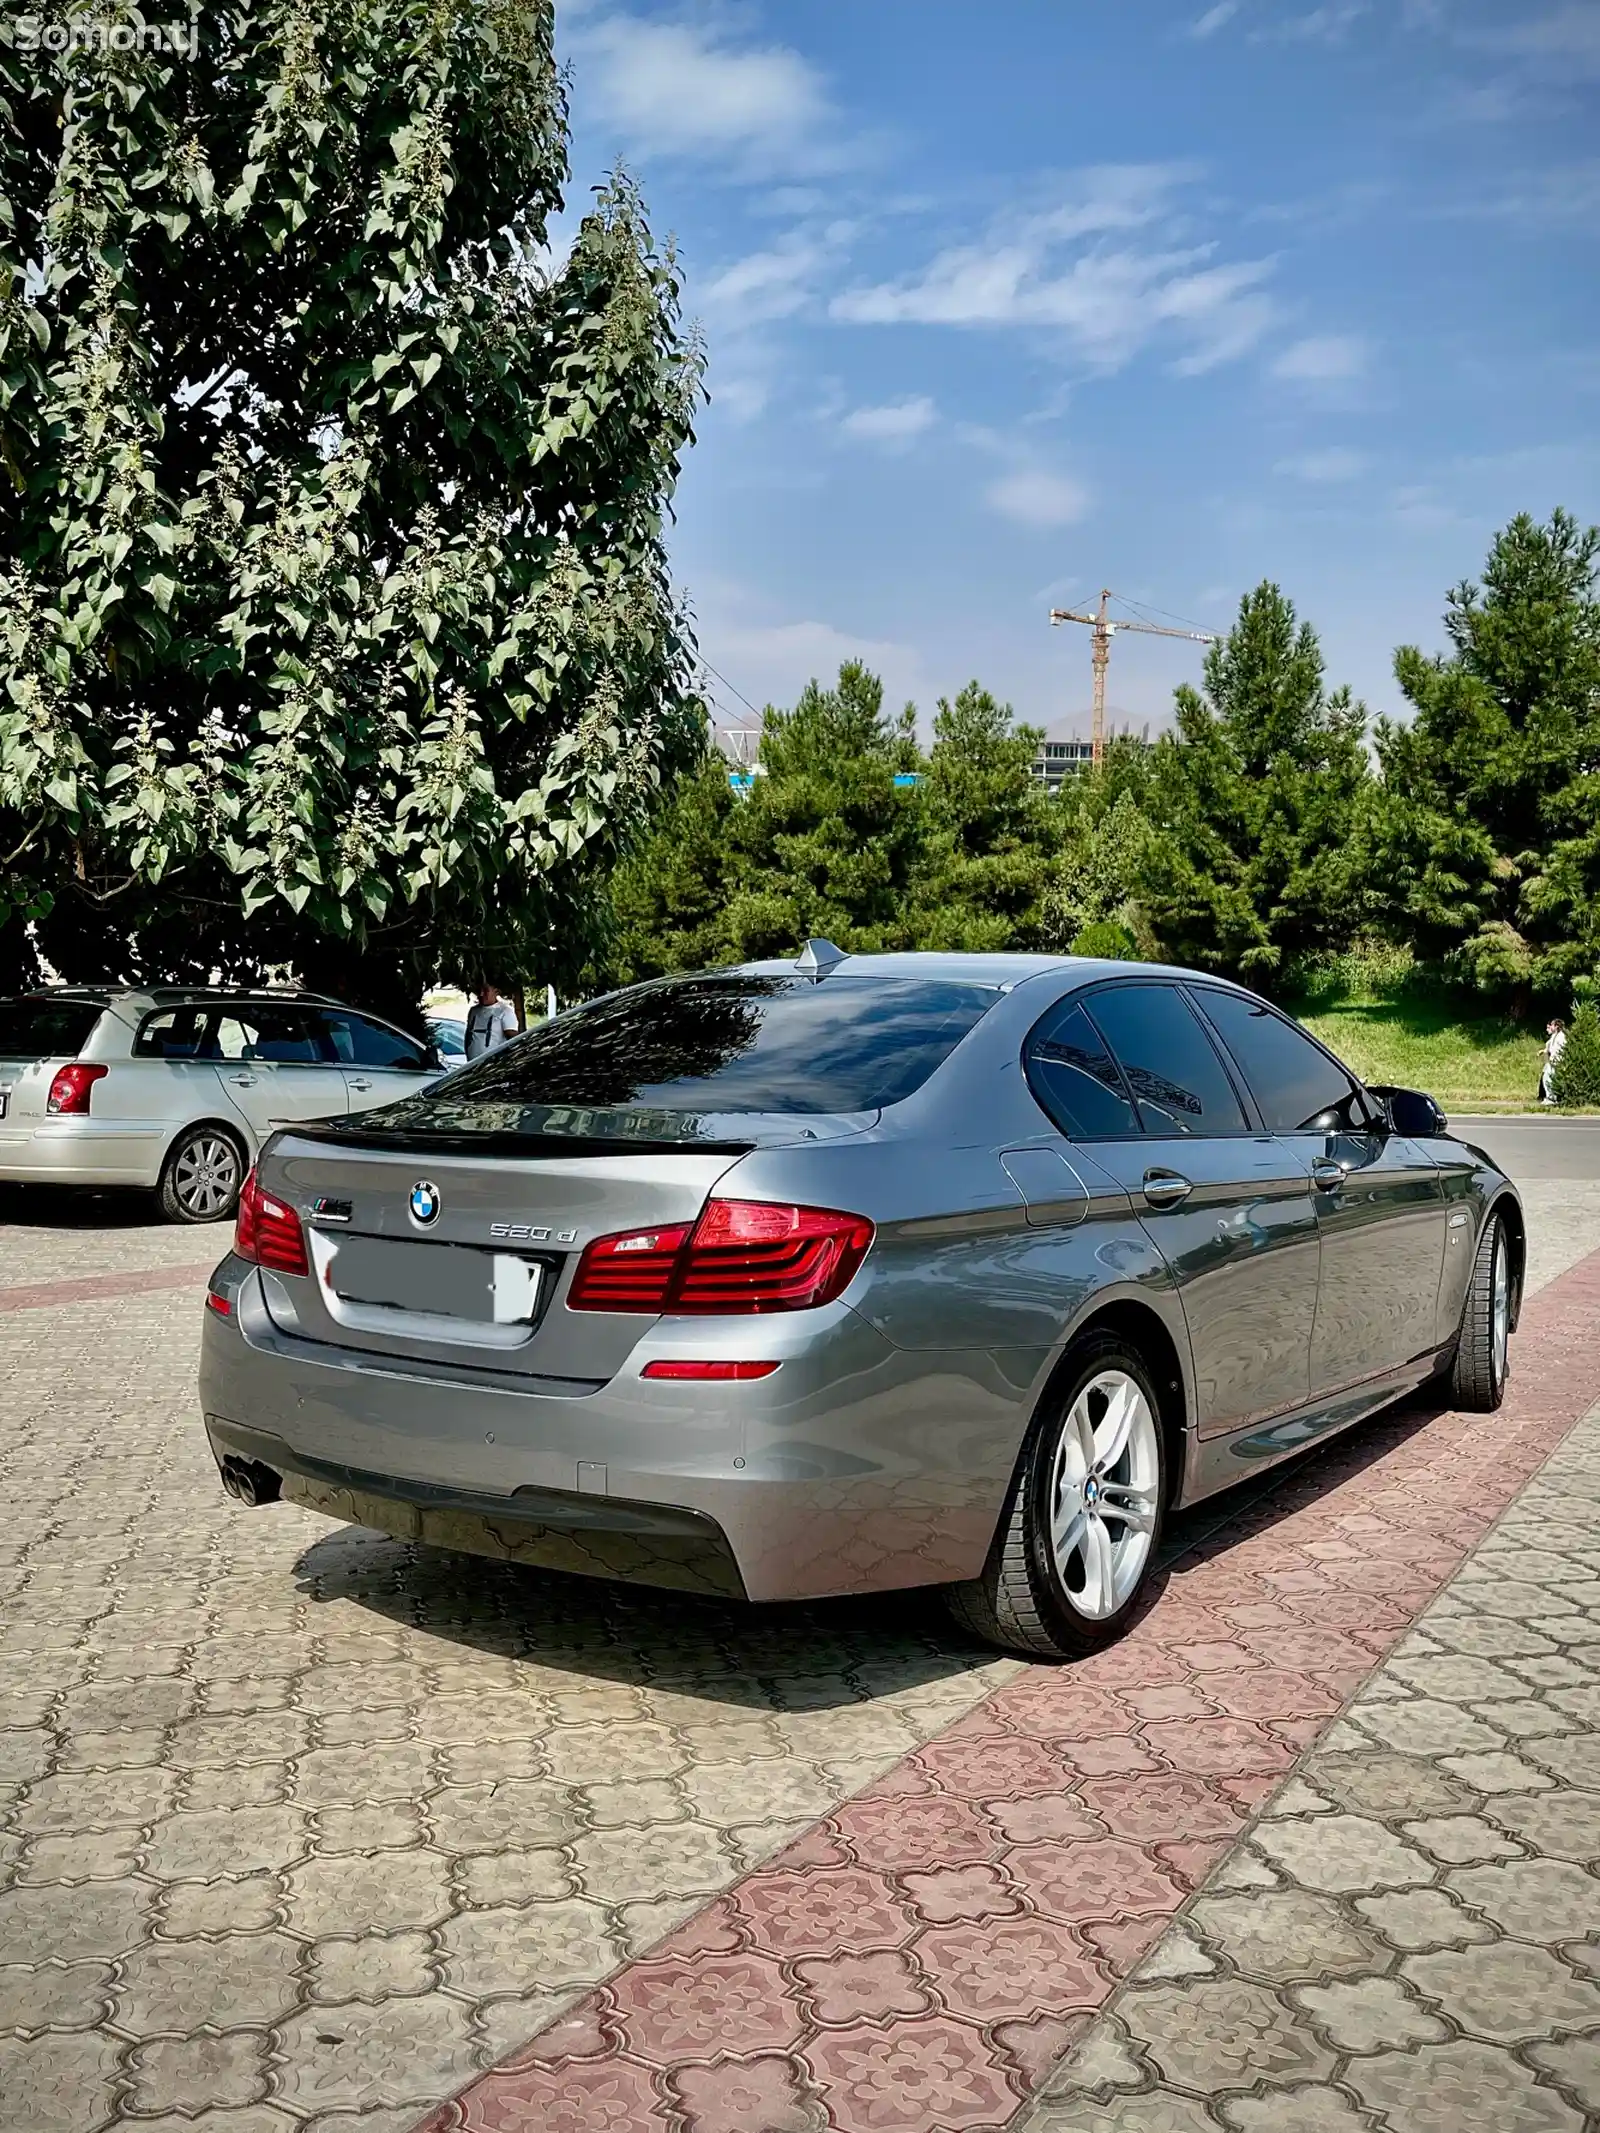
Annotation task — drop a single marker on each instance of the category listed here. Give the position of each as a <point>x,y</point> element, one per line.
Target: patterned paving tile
<point>1072,1814</point>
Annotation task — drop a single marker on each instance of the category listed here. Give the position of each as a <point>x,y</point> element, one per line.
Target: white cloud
<point>1320,25</point>
<point>677,89</point>
<point>1323,359</point>
<point>771,661</point>
<point>1214,19</point>
<point>1037,497</point>
<point>1062,270</point>
<point>897,423</point>
<point>1334,463</point>
<point>770,284</point>
<point>1566,39</point>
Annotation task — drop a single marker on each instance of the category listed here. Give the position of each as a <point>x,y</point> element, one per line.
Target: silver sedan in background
<point>855,1273</point>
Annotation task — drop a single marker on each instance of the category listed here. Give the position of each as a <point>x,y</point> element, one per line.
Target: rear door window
<point>45,1029</point>
<point>1074,1078</point>
<point>176,1033</point>
<point>1171,1065</point>
<point>735,1042</point>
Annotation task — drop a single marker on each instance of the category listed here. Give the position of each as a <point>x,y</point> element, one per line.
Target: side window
<point>1075,1079</point>
<point>358,1042</point>
<point>284,1036</point>
<point>178,1033</point>
<point>1299,1088</point>
<point>1171,1065</point>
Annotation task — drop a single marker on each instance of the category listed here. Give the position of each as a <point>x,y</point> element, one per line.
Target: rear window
<point>732,1043</point>
<point>45,1029</point>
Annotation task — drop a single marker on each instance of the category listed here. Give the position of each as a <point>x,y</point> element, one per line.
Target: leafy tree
<point>824,842</point>
<point>1488,845</point>
<point>986,830</point>
<point>1097,879</point>
<point>1258,797</point>
<point>1577,1075</point>
<point>335,625</point>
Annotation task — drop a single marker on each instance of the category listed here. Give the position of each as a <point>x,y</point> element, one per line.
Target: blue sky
<point>1005,302</point>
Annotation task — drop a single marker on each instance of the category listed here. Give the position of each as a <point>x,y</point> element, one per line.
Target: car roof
<point>174,995</point>
<point>961,967</point>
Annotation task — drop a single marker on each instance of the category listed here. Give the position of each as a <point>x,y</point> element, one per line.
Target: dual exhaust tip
<point>250,1481</point>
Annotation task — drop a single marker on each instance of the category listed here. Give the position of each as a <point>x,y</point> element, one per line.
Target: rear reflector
<point>741,1256</point>
<point>709,1369</point>
<point>219,1304</point>
<point>70,1091</point>
<point>267,1232</point>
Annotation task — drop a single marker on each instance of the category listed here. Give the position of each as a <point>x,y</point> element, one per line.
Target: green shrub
<point>1577,1077</point>
<point>1108,939</point>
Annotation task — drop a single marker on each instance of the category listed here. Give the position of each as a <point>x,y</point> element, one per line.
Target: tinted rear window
<point>45,1029</point>
<point>734,1043</point>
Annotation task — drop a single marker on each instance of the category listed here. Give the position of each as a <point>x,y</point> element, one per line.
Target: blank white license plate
<point>443,1280</point>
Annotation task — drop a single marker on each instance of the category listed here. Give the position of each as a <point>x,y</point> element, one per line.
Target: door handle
<point>1165,1188</point>
<point>1326,1174</point>
<point>243,1081</point>
<point>361,1084</point>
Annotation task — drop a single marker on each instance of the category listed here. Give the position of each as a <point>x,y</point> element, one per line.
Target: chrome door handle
<point>243,1081</point>
<point>360,1084</point>
<point>1164,1188</point>
<point>1326,1174</point>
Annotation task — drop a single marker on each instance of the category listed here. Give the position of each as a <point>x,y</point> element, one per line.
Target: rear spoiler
<point>399,1141</point>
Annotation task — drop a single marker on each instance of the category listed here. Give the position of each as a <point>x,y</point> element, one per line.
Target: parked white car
<point>175,1088</point>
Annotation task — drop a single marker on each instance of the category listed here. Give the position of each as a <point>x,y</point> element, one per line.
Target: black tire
<point>1482,1359</point>
<point>1022,1601</point>
<point>201,1177</point>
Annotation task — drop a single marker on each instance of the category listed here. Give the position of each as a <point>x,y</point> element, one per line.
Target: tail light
<point>69,1092</point>
<point>712,1368</point>
<point>741,1256</point>
<point>267,1232</point>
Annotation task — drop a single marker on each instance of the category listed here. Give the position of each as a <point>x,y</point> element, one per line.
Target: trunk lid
<point>458,1247</point>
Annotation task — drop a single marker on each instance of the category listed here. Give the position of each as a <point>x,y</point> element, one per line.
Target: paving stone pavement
<point>1409,1937</point>
<point>300,1829</point>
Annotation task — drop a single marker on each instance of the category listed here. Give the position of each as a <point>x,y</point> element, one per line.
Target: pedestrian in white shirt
<point>1555,1043</point>
<point>491,1022</point>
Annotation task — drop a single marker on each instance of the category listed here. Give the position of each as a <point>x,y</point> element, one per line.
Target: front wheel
<point>1080,1532</point>
<point>201,1178</point>
<point>1483,1349</point>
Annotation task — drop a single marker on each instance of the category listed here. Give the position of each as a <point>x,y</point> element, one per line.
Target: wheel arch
<point>1144,1328</point>
<point>1508,1208</point>
<point>210,1121</point>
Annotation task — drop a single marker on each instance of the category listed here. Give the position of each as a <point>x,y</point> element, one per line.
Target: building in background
<point>1067,749</point>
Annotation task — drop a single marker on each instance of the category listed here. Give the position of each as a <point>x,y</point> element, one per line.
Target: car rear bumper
<point>856,1467</point>
<point>81,1151</point>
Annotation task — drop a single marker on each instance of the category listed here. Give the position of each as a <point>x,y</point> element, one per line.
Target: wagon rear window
<point>45,1029</point>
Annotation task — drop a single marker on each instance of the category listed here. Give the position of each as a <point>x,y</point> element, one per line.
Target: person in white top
<point>1555,1043</point>
<point>491,1022</point>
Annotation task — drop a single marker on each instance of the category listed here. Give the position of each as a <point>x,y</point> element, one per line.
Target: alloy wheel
<point>1501,1293</point>
<point>1104,1494</point>
<point>205,1177</point>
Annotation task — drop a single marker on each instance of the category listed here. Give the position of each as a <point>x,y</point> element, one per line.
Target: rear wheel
<point>202,1176</point>
<point>1483,1350</point>
<point>1080,1532</point>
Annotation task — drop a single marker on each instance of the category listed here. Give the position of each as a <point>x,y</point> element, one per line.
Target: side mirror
<point>1412,1113</point>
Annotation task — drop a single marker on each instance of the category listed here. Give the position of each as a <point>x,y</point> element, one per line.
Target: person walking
<point>1555,1043</point>
<point>490,1023</point>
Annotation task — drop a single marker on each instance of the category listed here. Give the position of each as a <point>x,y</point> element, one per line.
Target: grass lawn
<point>1424,1040</point>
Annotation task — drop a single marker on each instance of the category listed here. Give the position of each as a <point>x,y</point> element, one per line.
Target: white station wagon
<point>174,1088</point>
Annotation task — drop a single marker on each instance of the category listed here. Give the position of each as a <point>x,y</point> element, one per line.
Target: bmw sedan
<point>853,1273</point>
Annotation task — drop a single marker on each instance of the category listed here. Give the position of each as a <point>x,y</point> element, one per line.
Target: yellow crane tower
<point>1104,629</point>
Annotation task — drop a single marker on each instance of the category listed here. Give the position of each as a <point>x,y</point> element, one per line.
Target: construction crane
<point>1104,630</point>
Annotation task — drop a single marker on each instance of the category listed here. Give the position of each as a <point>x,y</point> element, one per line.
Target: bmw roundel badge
<point>425,1202</point>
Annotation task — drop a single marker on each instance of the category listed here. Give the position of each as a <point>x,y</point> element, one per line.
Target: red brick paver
<point>915,1962</point>
<point>46,1295</point>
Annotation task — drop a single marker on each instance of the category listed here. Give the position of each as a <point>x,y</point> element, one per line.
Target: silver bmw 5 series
<point>852,1273</point>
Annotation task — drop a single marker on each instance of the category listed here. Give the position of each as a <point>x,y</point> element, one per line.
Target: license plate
<point>443,1280</point>
<point>5,1102</point>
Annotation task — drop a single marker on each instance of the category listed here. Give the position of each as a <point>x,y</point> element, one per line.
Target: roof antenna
<point>817,958</point>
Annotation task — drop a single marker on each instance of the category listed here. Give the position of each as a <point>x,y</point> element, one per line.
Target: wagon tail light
<point>71,1090</point>
<point>741,1256</point>
<point>267,1233</point>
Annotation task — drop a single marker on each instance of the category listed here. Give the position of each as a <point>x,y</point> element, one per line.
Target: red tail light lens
<point>741,1256</point>
<point>711,1368</point>
<point>267,1232</point>
<point>627,1272</point>
<point>69,1092</point>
